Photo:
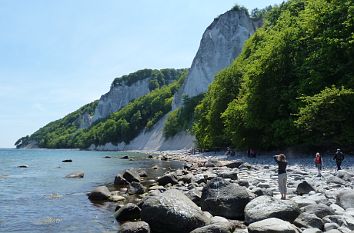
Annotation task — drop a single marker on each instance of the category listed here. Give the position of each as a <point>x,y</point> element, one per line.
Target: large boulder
<point>307,220</point>
<point>264,207</point>
<point>167,179</point>
<point>172,212</point>
<point>304,188</point>
<point>135,227</point>
<point>345,199</point>
<point>320,210</point>
<point>131,175</point>
<point>225,199</point>
<point>100,193</point>
<point>136,188</point>
<point>272,225</point>
<point>129,212</point>
<point>119,180</point>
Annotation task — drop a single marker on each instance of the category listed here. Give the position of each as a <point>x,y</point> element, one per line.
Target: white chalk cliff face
<point>221,43</point>
<point>118,97</point>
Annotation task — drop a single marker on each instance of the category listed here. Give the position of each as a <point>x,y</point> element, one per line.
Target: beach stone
<point>345,199</point>
<point>77,174</point>
<point>186,178</point>
<point>214,228</point>
<point>235,164</point>
<point>218,219</point>
<point>173,212</point>
<point>107,157</point>
<point>142,173</point>
<point>341,220</point>
<point>125,157</point>
<point>213,163</point>
<point>320,210</point>
<point>135,227</point>
<point>129,212</point>
<point>131,175</point>
<point>336,180</point>
<point>304,188</point>
<point>119,180</point>
<point>229,174</point>
<point>272,225</point>
<point>225,199</point>
<point>23,166</point>
<point>312,230</point>
<point>308,220</point>
<point>331,226</point>
<point>344,175</point>
<point>303,201</point>
<point>243,183</point>
<point>260,192</point>
<point>136,188</point>
<point>195,196</point>
<point>167,179</point>
<point>264,207</point>
<point>115,197</point>
<point>67,160</point>
<point>100,193</point>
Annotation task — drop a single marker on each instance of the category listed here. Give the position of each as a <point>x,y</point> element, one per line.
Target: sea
<point>40,199</point>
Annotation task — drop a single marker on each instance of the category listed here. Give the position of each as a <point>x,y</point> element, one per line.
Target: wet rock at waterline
<point>77,174</point>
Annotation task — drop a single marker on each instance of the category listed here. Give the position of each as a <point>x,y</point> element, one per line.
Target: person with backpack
<point>318,163</point>
<point>338,157</point>
<point>282,177</point>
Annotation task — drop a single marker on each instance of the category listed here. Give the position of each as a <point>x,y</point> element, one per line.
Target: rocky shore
<point>228,195</point>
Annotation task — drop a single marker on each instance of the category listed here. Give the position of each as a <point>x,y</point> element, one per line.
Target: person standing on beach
<point>282,177</point>
<point>318,163</point>
<point>338,157</point>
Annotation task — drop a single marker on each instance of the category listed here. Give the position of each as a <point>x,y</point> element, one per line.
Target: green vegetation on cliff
<point>121,126</point>
<point>294,75</point>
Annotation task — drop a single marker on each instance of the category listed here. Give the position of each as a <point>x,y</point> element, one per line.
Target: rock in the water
<point>272,225</point>
<point>136,188</point>
<point>100,193</point>
<point>107,157</point>
<point>119,180</point>
<point>308,220</point>
<point>142,173</point>
<point>23,166</point>
<point>225,199</point>
<point>125,157</point>
<point>77,174</point>
<point>172,212</point>
<point>304,188</point>
<point>264,207</point>
<point>345,199</point>
<point>135,227</point>
<point>67,160</point>
<point>131,175</point>
<point>129,212</point>
<point>320,210</point>
<point>167,179</point>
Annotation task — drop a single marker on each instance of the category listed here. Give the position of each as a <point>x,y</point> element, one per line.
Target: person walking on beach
<point>318,163</point>
<point>338,157</point>
<point>282,177</point>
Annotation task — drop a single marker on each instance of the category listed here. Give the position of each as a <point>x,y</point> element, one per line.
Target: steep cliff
<point>221,43</point>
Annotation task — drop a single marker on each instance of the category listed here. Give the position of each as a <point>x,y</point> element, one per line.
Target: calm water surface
<point>40,199</point>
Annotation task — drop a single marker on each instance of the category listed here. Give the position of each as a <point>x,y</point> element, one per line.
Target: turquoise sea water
<point>40,199</point>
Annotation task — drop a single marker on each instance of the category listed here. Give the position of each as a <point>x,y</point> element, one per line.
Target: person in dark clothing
<point>339,157</point>
<point>282,176</point>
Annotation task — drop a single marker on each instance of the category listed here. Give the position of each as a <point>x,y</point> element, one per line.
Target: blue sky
<point>56,56</point>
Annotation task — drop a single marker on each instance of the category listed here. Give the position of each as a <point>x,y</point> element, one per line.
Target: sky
<point>56,56</point>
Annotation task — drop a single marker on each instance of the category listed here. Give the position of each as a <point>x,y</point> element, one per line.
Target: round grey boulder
<point>272,225</point>
<point>320,210</point>
<point>100,193</point>
<point>225,199</point>
<point>345,199</point>
<point>307,220</point>
<point>264,207</point>
<point>172,212</point>
<point>135,227</point>
<point>129,212</point>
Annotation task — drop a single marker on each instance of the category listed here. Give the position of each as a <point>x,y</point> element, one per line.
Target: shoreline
<point>256,178</point>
